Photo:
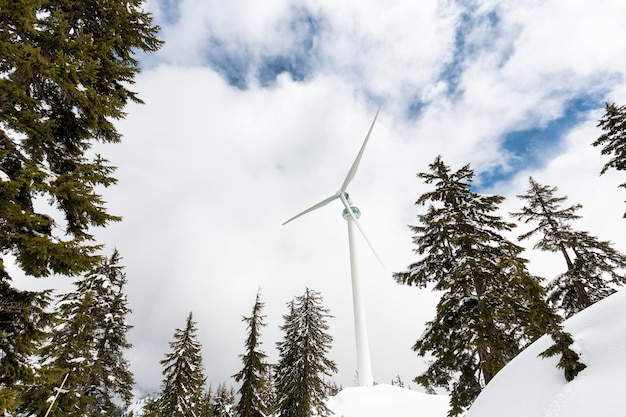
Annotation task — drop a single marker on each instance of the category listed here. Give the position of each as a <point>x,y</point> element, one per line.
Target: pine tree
<point>224,401</point>
<point>591,265</point>
<point>490,307</point>
<point>255,368</point>
<point>206,409</point>
<point>613,140</point>
<point>88,344</point>
<point>65,68</point>
<point>67,64</point>
<point>23,318</point>
<point>182,388</point>
<point>300,388</point>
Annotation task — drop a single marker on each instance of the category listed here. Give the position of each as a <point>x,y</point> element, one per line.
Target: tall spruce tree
<point>88,345</point>
<point>490,307</point>
<point>613,140</point>
<point>65,68</point>
<point>592,266</point>
<point>303,363</point>
<point>255,372</point>
<point>182,390</point>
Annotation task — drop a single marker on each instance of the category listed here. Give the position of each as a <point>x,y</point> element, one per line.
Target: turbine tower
<point>351,213</point>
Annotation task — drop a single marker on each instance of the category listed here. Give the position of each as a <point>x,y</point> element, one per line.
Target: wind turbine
<point>351,213</point>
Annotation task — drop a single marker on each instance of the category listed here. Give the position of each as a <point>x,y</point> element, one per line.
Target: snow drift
<point>530,386</point>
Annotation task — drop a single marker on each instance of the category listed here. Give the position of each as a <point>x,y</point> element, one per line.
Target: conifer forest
<point>66,74</point>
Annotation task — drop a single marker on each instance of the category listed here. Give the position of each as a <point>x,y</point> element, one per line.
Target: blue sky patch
<point>298,63</point>
<point>531,147</point>
<point>464,50</point>
<point>231,63</point>
<point>171,11</point>
<point>237,63</point>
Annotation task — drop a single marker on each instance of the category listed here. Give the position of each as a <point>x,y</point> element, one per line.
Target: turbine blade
<point>358,225</point>
<point>357,161</point>
<point>315,207</point>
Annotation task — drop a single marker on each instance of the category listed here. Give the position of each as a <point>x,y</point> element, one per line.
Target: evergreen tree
<point>65,68</point>
<point>67,64</point>
<point>613,140</point>
<point>206,410</point>
<point>255,368</point>
<point>224,401</point>
<point>23,318</point>
<point>397,381</point>
<point>182,388</point>
<point>591,264</point>
<point>88,344</point>
<point>491,306</point>
<point>300,388</point>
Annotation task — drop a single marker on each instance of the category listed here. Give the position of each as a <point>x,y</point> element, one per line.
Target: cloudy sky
<point>254,111</point>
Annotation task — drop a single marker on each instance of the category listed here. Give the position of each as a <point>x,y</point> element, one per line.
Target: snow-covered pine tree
<point>303,358</point>
<point>613,140</point>
<point>253,376</point>
<point>224,401</point>
<point>490,306</point>
<point>592,265</point>
<point>206,409</point>
<point>183,376</point>
<point>88,343</point>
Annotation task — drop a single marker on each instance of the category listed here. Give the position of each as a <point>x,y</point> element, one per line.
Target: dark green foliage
<point>183,376</point>
<point>88,342</point>
<point>23,317</point>
<point>300,388</point>
<point>490,307</point>
<point>569,360</point>
<point>65,66</point>
<point>613,140</point>
<point>206,409</point>
<point>256,371</point>
<point>592,266</point>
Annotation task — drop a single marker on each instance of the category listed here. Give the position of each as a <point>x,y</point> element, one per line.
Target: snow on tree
<point>183,376</point>
<point>65,69</point>
<point>254,376</point>
<point>490,307</point>
<point>592,266</point>
<point>224,401</point>
<point>88,345</point>
<point>613,140</point>
<point>303,363</point>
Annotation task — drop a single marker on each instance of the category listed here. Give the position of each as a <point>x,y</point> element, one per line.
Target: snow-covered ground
<point>528,386</point>
<point>387,401</point>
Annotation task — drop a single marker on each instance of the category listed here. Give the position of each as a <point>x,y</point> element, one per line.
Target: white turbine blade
<point>358,225</point>
<point>357,161</point>
<point>315,207</point>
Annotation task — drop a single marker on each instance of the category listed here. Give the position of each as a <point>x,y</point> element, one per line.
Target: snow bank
<point>530,386</point>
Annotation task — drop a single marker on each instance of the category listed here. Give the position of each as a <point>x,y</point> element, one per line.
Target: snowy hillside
<point>529,386</point>
<point>533,387</point>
